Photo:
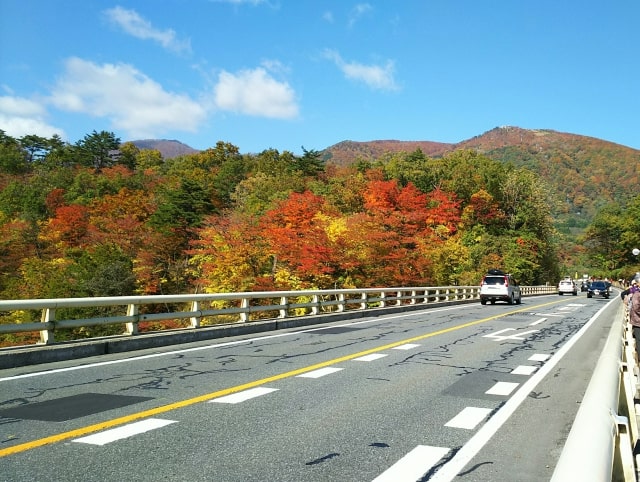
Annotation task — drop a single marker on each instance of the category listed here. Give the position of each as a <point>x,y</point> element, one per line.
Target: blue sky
<point>283,74</point>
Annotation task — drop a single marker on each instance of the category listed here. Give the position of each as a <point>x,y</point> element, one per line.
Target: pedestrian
<point>633,303</point>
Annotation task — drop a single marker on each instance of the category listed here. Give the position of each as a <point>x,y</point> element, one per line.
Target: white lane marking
<point>372,357</point>
<point>244,395</point>
<point>539,357</point>
<point>537,322</point>
<point>413,465</point>
<point>408,346</point>
<point>469,418</point>
<point>125,431</point>
<point>320,372</point>
<point>552,314</point>
<point>502,388</point>
<point>524,370</point>
<point>469,450</point>
<point>518,336</point>
<point>216,345</point>
<point>577,305</point>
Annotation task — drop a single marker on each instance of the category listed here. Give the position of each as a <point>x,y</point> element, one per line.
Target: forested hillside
<point>102,218</point>
<point>89,219</point>
<point>583,173</point>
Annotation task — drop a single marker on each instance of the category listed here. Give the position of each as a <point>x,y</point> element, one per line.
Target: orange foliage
<point>296,232</point>
<point>119,219</point>
<point>68,227</point>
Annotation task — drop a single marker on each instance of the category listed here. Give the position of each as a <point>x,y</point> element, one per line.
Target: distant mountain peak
<point>169,148</point>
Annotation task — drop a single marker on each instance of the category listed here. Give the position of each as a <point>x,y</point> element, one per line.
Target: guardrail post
<point>425,299</point>
<point>315,309</point>
<point>383,299</point>
<point>132,327</point>
<point>341,302</point>
<point>363,305</point>
<point>48,316</point>
<point>283,310</point>
<point>244,316</point>
<point>414,293</point>
<point>623,456</point>
<point>195,320</point>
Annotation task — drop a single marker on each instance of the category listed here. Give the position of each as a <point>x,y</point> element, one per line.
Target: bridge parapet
<point>206,316</point>
<point>602,444</point>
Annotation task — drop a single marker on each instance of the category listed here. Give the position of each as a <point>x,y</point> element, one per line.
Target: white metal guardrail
<point>225,308</point>
<point>603,439</point>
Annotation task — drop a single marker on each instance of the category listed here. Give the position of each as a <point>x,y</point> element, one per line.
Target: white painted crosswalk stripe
<point>125,431</point>
<point>244,395</point>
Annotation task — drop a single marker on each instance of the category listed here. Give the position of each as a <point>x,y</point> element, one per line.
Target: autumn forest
<point>105,218</point>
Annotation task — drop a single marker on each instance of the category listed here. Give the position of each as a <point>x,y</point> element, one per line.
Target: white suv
<point>499,286</point>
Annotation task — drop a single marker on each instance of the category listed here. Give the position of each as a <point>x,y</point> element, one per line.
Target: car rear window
<point>494,280</point>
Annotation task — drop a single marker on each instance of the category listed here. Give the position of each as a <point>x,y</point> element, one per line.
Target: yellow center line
<point>82,431</point>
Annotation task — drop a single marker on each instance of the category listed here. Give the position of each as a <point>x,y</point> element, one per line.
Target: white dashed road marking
<point>414,465</point>
<point>242,396</point>
<point>372,357</point>
<point>537,322</point>
<point>469,418</point>
<point>408,346</point>
<point>524,370</point>
<point>320,373</point>
<point>502,388</point>
<point>517,336</point>
<point>125,431</point>
<point>539,357</point>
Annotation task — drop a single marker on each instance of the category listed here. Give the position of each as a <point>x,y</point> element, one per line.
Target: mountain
<point>347,152</point>
<point>584,173</point>
<point>168,148</point>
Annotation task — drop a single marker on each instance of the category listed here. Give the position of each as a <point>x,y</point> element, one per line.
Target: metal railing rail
<point>604,434</point>
<point>228,308</point>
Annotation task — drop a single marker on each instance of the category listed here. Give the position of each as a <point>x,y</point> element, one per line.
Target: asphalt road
<point>467,392</point>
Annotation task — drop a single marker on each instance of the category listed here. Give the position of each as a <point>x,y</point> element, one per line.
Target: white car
<point>497,285</point>
<point>567,286</point>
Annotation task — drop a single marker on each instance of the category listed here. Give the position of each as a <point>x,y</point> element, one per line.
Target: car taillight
<point>506,281</point>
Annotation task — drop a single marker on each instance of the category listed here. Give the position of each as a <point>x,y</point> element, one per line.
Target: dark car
<point>598,288</point>
<point>584,286</point>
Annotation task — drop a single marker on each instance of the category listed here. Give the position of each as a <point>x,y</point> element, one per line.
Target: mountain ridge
<point>585,173</point>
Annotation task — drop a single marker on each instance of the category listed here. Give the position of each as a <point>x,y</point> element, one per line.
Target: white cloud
<point>255,92</point>
<point>133,24</point>
<point>132,101</point>
<point>375,76</point>
<point>358,11</point>
<point>20,117</point>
